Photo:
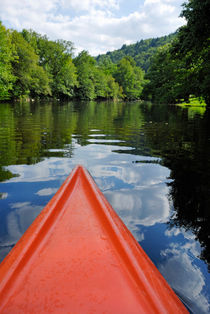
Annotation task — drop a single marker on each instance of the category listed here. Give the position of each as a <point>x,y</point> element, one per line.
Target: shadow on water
<point>154,158</point>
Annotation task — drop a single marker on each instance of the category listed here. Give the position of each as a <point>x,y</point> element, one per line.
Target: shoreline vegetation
<point>169,69</point>
<point>193,102</point>
<point>194,105</point>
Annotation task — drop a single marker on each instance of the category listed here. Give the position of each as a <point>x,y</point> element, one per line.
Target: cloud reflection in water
<point>184,276</point>
<point>140,207</point>
<point>17,221</point>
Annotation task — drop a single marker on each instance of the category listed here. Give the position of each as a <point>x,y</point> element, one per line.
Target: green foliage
<point>193,45</point>
<point>130,77</point>
<point>85,65</point>
<point>141,51</point>
<point>100,83</point>
<point>107,65</point>
<point>6,57</point>
<point>168,82</point>
<point>193,102</point>
<point>195,106</point>
<point>183,68</point>
<point>31,79</point>
<point>197,30</point>
<point>56,59</point>
<point>41,67</point>
<point>114,90</point>
<point>94,81</point>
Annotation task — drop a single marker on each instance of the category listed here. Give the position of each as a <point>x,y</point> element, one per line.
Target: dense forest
<point>182,68</point>
<point>168,69</point>
<point>33,66</point>
<point>141,51</point>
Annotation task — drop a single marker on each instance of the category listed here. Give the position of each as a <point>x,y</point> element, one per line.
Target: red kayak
<point>79,257</point>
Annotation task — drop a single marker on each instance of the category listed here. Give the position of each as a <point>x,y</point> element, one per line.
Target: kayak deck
<point>79,257</point>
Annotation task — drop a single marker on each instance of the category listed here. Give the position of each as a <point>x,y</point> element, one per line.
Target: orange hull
<point>78,257</point>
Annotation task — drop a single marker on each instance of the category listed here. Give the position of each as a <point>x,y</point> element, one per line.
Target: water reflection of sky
<point>139,194</point>
<point>181,265</point>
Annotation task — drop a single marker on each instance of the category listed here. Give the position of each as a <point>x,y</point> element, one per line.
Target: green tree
<point>56,59</point>
<point>31,79</point>
<point>168,79</point>
<point>193,44</point>
<point>107,65</point>
<point>114,91</point>
<point>130,77</point>
<point>85,65</point>
<point>100,83</point>
<point>6,57</point>
<point>106,86</point>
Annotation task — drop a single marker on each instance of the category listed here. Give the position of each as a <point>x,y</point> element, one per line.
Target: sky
<point>97,26</point>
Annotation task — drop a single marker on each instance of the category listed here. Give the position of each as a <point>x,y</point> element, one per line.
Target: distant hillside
<point>141,51</point>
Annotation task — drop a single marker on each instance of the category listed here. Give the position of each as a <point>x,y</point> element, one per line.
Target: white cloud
<point>94,25</point>
<point>89,5</point>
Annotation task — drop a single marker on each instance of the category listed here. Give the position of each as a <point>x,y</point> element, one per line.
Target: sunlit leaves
<point>6,56</point>
<point>130,77</point>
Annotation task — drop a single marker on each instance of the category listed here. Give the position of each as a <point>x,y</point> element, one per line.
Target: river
<point>152,162</point>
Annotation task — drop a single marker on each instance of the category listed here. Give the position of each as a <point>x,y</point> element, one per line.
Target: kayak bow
<point>79,257</point>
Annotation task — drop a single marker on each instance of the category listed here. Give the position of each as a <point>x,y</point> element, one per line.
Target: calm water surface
<point>151,162</point>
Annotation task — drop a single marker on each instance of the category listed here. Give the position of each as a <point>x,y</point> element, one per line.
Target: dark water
<point>151,162</point>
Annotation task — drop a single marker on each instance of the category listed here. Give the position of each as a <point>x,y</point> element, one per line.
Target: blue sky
<point>94,25</point>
